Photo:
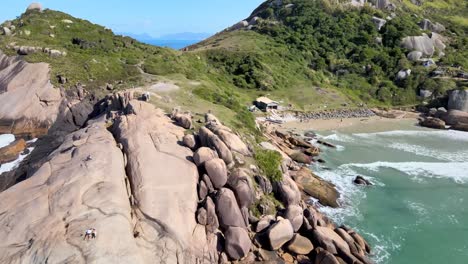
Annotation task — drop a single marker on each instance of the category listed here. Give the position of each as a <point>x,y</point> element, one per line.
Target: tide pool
<point>417,210</point>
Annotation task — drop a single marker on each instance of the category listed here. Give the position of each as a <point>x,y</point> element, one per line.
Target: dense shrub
<point>269,162</point>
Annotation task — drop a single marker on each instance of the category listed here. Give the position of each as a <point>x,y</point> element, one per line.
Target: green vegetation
<point>269,162</point>
<point>95,57</point>
<point>309,55</point>
<point>295,49</point>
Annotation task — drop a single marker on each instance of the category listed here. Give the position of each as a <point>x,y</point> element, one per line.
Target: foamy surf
<point>340,137</point>
<point>443,134</point>
<point>350,194</point>
<point>6,139</point>
<point>457,171</point>
<point>458,156</point>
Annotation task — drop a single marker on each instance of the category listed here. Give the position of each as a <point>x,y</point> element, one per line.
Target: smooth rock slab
<point>227,209</point>
<point>217,171</point>
<point>237,242</point>
<point>280,233</point>
<point>203,155</point>
<point>300,245</point>
<point>294,214</point>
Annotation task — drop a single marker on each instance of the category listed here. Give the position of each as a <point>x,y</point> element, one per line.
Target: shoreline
<point>375,122</point>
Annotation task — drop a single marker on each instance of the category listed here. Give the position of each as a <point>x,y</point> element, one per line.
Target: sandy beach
<point>374,123</point>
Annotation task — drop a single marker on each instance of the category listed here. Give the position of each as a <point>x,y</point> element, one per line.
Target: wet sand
<point>374,123</point>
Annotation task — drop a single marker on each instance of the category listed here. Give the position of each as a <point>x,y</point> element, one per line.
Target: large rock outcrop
<point>425,44</point>
<point>34,6</point>
<point>29,104</point>
<point>142,201</point>
<point>454,117</point>
<point>81,186</point>
<point>316,187</point>
<point>164,183</point>
<point>458,100</point>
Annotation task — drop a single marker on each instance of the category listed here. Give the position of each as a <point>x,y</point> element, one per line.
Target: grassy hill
<point>95,57</point>
<point>299,45</point>
<point>301,52</point>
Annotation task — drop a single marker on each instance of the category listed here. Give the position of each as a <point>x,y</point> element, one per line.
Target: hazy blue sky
<point>154,17</point>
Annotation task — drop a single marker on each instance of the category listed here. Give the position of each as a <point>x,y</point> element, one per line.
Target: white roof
<point>266,100</point>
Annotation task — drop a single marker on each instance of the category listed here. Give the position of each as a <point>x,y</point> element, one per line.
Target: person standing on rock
<point>88,234</point>
<point>93,233</point>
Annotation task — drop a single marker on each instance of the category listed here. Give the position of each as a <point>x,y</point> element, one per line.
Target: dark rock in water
<point>316,187</point>
<point>433,123</point>
<point>310,134</point>
<point>455,116</point>
<point>326,144</point>
<point>320,161</point>
<point>25,152</point>
<point>460,127</point>
<point>361,181</point>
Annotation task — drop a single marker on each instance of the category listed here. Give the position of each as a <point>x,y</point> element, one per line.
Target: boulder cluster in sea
<point>440,118</point>
<point>336,114</point>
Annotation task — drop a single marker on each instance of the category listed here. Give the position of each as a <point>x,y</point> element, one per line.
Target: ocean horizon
<point>168,43</point>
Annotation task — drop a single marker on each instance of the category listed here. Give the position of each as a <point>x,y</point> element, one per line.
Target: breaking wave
<point>458,156</point>
<point>443,134</point>
<point>458,171</point>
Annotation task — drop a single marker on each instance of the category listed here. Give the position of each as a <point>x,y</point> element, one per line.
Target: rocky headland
<point>155,187</point>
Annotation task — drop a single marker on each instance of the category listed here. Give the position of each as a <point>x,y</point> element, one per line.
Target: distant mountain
<point>186,36</point>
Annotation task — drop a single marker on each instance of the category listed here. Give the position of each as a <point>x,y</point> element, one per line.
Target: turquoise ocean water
<point>417,210</point>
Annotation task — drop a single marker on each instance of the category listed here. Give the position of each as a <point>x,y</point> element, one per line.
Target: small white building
<point>264,103</point>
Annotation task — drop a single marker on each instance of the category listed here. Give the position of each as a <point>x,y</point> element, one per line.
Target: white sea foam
<point>444,134</point>
<point>14,164</point>
<point>458,156</point>
<point>350,194</point>
<point>6,139</point>
<point>382,247</point>
<point>458,171</point>
<point>340,137</point>
<point>340,148</point>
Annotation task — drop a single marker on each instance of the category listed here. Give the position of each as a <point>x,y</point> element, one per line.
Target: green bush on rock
<point>269,162</point>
